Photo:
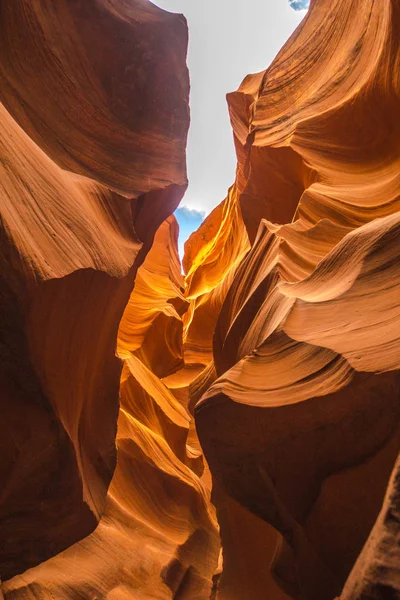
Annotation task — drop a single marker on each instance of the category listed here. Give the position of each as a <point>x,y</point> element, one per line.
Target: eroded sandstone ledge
<point>279,348</point>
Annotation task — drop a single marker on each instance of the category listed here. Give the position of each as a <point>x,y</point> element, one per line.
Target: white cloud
<point>299,4</point>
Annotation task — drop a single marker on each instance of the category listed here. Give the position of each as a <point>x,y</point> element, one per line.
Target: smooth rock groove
<point>228,434</point>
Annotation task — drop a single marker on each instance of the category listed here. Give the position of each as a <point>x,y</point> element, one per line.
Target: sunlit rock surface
<point>90,168</point>
<point>258,404</point>
<point>212,255</point>
<point>158,536</point>
<point>299,415</point>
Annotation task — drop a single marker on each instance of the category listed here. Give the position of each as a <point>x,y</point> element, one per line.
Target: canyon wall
<point>227,434</point>
<point>299,413</point>
<point>94,120</point>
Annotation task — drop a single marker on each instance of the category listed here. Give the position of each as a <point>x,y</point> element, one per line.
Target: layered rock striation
<point>90,168</point>
<point>158,534</point>
<point>298,414</point>
<point>276,355</point>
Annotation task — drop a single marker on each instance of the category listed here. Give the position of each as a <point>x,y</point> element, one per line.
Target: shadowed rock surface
<point>86,180</point>
<point>298,414</point>
<point>276,355</point>
<point>376,573</point>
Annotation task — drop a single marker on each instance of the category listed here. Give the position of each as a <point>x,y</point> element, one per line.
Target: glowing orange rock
<point>301,410</point>
<point>151,326</point>
<point>158,535</point>
<point>89,169</point>
<point>283,338</point>
<point>212,255</point>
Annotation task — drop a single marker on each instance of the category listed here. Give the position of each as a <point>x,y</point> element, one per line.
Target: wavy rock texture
<point>101,87</point>
<point>151,327</point>
<point>158,535</point>
<point>92,162</point>
<point>212,255</point>
<point>299,414</point>
<point>282,340</point>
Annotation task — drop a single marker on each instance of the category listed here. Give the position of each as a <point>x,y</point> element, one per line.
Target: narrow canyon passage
<point>231,432</point>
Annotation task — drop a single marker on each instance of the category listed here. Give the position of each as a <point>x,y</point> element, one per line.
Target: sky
<point>189,220</point>
<point>227,40</point>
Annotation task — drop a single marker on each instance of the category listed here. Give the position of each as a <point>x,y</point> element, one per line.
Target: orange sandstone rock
<point>158,535</point>
<point>91,164</point>
<point>299,413</point>
<point>283,339</point>
<point>376,573</point>
<point>212,255</point>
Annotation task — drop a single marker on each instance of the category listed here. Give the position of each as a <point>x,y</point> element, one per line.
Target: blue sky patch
<point>189,220</point>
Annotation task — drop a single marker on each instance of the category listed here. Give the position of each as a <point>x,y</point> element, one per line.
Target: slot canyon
<point>228,430</point>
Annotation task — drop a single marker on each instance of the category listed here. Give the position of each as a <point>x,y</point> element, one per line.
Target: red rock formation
<point>158,535</point>
<point>376,573</point>
<point>151,326</point>
<point>101,86</point>
<point>212,255</point>
<point>301,411</point>
<point>283,339</point>
<point>91,163</point>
